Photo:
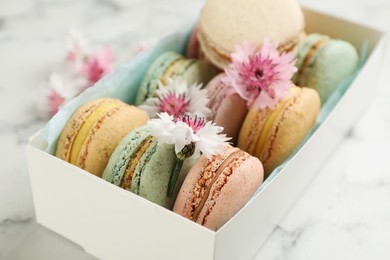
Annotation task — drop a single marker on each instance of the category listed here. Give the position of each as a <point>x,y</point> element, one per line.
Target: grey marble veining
<point>344,214</point>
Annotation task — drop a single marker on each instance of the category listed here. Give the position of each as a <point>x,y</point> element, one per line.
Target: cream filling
<point>128,176</point>
<point>269,123</point>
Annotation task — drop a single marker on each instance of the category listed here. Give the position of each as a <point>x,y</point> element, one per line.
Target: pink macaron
<point>228,110</point>
<point>193,49</point>
<point>216,189</point>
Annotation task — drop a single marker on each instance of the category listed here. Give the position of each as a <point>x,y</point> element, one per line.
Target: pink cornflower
<point>173,103</point>
<point>178,98</point>
<point>98,65</point>
<point>55,101</point>
<point>263,77</point>
<point>196,123</point>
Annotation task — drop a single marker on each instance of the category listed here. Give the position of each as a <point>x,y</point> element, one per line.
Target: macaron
<point>227,110</point>
<point>216,189</point>
<point>192,49</point>
<point>273,135</point>
<point>227,23</point>
<point>324,63</point>
<point>173,65</point>
<point>143,165</point>
<point>94,130</point>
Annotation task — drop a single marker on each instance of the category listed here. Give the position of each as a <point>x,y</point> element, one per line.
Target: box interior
<point>220,244</point>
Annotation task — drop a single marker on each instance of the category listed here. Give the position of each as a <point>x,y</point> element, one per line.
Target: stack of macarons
<point>117,141</point>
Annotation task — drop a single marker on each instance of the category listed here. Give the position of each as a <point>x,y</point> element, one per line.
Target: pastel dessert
<point>217,188</point>
<point>143,165</point>
<point>324,63</point>
<point>273,135</point>
<point>192,49</point>
<point>94,130</point>
<point>171,65</point>
<point>227,23</point>
<point>227,110</point>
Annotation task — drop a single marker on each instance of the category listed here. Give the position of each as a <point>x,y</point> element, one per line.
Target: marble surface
<point>344,214</point>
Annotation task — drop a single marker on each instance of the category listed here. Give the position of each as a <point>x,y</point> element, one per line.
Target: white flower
<point>177,98</point>
<point>188,129</point>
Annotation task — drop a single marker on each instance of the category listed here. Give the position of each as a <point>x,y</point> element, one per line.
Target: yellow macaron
<point>94,130</point>
<point>273,135</point>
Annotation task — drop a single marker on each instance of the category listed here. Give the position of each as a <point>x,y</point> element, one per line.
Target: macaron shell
<point>228,111</point>
<point>106,135</point>
<point>225,23</point>
<point>290,130</point>
<point>231,114</point>
<point>169,66</point>
<point>74,124</point>
<point>305,46</point>
<point>153,172</point>
<point>201,72</point>
<point>192,51</point>
<point>122,154</point>
<point>184,201</point>
<point>251,130</point>
<point>242,183</point>
<point>153,75</point>
<point>210,52</point>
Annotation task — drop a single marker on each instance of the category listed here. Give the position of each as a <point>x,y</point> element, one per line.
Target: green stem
<point>174,175</point>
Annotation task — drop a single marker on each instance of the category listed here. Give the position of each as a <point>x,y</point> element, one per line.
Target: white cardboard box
<point>111,223</point>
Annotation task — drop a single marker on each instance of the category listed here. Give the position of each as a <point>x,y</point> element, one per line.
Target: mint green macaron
<point>143,166</point>
<point>173,65</point>
<point>324,63</point>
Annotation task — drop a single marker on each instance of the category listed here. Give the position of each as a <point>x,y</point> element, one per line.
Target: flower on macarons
<point>98,65</point>
<point>177,98</point>
<point>262,77</point>
<point>60,88</point>
<point>189,134</point>
<point>78,48</point>
<point>189,130</point>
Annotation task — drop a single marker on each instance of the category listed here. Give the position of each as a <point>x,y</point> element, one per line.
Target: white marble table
<point>344,214</point>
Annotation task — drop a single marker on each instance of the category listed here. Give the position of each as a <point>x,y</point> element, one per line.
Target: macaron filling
<point>85,128</point>
<point>223,56</point>
<point>141,164</point>
<point>177,69</point>
<point>218,172</point>
<point>129,172</point>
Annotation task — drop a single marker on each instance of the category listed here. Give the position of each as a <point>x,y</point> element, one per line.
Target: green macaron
<point>324,63</point>
<point>173,65</point>
<point>143,166</point>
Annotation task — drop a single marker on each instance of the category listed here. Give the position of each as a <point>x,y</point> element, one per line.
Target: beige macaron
<point>226,23</point>
<point>273,135</point>
<point>94,130</point>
